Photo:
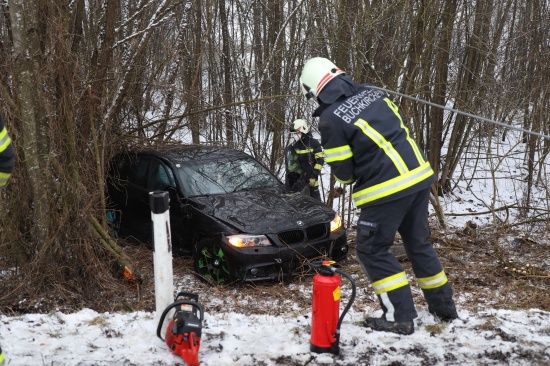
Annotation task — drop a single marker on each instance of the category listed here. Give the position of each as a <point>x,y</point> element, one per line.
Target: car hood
<point>265,211</point>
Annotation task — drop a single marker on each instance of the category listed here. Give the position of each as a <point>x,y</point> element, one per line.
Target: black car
<point>237,219</point>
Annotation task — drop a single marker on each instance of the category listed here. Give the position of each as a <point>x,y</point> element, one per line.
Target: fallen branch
<point>120,256</point>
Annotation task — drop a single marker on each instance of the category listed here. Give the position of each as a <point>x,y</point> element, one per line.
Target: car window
<point>138,172</point>
<point>224,176</point>
<point>160,176</point>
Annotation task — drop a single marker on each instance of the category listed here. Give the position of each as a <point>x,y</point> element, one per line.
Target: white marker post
<point>162,251</point>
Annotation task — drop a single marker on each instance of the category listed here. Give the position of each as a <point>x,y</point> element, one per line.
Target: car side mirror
<point>186,210</point>
<point>172,193</point>
<point>175,197</point>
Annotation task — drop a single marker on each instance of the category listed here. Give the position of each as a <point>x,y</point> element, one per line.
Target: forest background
<point>82,80</point>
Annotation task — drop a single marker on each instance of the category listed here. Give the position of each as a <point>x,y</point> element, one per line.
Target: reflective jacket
<point>6,155</point>
<point>367,142</point>
<point>310,157</point>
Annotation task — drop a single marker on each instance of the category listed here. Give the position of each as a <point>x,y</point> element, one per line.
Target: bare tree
<point>69,91</point>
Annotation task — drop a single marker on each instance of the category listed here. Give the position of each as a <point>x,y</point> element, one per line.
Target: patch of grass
<point>98,320</point>
<point>435,328</point>
<point>487,326</point>
<point>55,335</point>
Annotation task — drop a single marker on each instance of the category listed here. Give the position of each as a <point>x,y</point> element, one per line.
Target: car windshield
<point>224,176</point>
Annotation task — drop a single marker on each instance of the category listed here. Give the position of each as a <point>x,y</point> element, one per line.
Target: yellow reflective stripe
<point>4,139</point>
<point>4,178</point>
<point>390,283</point>
<point>433,282</point>
<point>2,361</point>
<point>304,151</point>
<point>317,167</point>
<point>345,181</point>
<point>383,144</point>
<point>319,155</point>
<point>413,144</point>
<point>338,153</point>
<point>394,185</point>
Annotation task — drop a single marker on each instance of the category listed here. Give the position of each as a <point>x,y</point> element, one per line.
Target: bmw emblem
<point>300,223</point>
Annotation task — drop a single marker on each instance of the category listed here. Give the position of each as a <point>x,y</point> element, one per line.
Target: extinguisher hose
<point>350,302</point>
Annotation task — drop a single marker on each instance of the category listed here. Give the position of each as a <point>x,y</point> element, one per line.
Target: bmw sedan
<point>236,219</point>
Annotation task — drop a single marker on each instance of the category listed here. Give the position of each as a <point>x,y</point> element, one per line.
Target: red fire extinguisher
<point>325,322</point>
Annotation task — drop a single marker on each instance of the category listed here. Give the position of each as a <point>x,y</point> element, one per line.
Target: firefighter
<point>6,167</point>
<point>367,143</point>
<point>310,156</point>
<point>6,155</point>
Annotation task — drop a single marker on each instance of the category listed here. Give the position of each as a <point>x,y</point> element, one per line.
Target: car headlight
<point>245,241</point>
<point>335,224</point>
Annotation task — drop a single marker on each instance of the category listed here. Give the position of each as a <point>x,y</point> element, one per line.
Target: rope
<point>463,113</point>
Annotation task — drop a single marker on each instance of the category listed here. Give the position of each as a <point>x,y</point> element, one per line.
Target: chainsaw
<point>183,335</point>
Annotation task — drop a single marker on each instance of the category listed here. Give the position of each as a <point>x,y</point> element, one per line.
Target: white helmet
<point>300,126</point>
<point>317,72</point>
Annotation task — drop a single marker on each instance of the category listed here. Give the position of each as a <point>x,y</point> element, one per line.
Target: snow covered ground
<point>487,337</point>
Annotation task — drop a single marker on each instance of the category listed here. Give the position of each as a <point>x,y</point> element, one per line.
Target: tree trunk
<point>467,99</point>
<point>227,90</point>
<point>435,135</point>
<point>34,139</point>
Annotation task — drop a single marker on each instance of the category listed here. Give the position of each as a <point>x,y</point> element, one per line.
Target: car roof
<point>185,153</point>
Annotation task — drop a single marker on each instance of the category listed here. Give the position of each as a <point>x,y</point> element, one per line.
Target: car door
<point>161,178</point>
<point>150,174</point>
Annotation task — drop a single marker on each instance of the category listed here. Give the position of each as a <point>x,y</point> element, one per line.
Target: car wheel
<point>210,263</point>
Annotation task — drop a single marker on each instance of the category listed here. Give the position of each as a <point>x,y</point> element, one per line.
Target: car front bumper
<point>281,262</point>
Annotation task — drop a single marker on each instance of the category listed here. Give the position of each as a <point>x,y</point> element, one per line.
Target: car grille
<point>297,236</point>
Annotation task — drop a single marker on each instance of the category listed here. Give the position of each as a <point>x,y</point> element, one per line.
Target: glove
<point>312,182</point>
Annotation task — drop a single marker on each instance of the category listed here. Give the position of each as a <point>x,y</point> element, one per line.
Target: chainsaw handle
<point>173,305</point>
<point>192,296</point>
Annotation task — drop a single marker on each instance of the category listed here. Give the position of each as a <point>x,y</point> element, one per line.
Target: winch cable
<point>462,113</point>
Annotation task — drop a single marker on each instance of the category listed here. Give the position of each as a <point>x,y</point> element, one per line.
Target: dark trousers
<point>376,231</point>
